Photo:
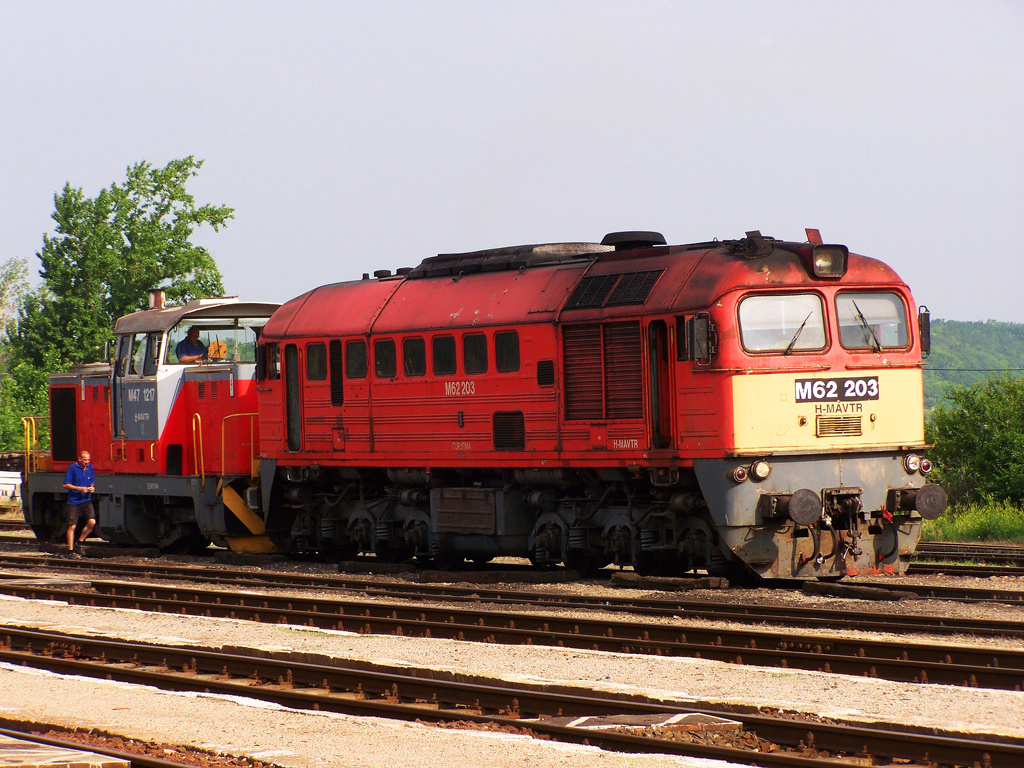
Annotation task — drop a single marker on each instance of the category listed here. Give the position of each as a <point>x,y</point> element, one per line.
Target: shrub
<point>990,520</point>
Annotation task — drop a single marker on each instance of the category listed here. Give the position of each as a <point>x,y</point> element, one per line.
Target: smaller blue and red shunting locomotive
<point>745,407</point>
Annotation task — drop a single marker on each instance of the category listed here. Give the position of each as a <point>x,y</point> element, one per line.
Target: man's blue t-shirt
<point>186,348</point>
<point>80,477</point>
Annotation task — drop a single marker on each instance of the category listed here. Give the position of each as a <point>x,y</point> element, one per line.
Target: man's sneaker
<point>78,548</point>
<point>72,555</point>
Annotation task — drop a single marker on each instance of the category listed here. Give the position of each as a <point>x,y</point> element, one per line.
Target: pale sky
<point>356,136</point>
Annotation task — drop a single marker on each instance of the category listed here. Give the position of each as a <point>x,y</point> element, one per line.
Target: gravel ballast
<point>290,738</point>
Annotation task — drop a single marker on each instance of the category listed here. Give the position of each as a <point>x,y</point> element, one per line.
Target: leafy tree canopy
<point>104,256</point>
<point>979,440</point>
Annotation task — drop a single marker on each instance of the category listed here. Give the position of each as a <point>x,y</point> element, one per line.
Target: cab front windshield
<point>232,340</point>
<point>782,323</point>
<point>874,321</point>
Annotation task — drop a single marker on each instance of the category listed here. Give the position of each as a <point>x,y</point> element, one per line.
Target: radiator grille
<point>838,426</point>
<point>608,290</point>
<point>602,372</point>
<point>624,382</point>
<point>591,292</point>
<point>583,375</point>
<point>634,288</point>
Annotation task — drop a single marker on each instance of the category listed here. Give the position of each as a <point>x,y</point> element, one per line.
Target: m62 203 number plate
<point>836,390</point>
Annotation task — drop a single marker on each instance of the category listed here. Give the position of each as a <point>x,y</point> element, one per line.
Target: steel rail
<point>962,569</point>
<point>164,571</point>
<point>897,661</point>
<point>365,689</point>
<point>1007,553</point>
<point>739,612</point>
<point>135,759</point>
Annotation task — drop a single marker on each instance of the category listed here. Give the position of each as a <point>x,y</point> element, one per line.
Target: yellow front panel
<point>879,408</point>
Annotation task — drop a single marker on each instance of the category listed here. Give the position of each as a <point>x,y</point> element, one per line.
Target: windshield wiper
<point>875,345</point>
<point>796,335</point>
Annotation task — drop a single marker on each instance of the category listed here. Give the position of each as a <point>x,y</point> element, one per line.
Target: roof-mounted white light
<point>829,261</point>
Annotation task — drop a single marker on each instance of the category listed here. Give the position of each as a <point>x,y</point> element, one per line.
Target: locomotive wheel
<point>587,564</point>
<point>53,527</point>
<point>391,553</point>
<point>194,543</point>
<point>653,566</point>
<point>448,562</point>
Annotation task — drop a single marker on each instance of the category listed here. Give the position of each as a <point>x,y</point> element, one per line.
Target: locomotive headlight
<point>760,470</point>
<point>911,463</point>
<point>926,466</point>
<point>829,260</point>
<point>738,474</point>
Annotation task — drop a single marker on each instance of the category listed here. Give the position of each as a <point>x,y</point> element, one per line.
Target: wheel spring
<point>578,538</point>
<point>648,538</point>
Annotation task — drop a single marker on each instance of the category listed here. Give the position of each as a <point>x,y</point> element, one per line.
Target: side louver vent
<point>545,373</point>
<point>509,431</point>
<point>337,382</point>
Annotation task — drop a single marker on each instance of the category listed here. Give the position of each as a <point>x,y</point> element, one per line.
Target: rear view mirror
<point>702,338</point>
<point>924,328</point>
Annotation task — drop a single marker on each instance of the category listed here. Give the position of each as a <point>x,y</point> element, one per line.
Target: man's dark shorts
<point>85,509</point>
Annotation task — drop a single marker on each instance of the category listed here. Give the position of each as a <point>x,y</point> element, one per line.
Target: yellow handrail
<point>198,451</point>
<point>252,441</point>
<point>30,425</point>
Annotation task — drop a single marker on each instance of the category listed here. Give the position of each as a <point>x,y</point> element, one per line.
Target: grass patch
<point>996,521</point>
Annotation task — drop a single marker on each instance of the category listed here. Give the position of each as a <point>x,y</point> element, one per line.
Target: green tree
<point>107,252</point>
<point>979,440</point>
<point>99,263</point>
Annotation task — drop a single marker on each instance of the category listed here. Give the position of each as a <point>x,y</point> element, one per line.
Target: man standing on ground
<point>80,481</point>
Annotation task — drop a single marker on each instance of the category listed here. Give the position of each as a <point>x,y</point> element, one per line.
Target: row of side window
<point>327,360</point>
<point>444,357</point>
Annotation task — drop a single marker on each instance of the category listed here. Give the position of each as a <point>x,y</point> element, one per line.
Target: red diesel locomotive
<point>745,407</point>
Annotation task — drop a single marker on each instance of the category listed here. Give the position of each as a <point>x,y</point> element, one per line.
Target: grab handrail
<point>30,427</point>
<point>198,451</point>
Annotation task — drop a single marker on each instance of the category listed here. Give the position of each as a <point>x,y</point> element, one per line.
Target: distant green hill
<point>964,353</point>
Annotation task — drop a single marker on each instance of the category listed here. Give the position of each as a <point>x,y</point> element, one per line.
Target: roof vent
<point>630,241</point>
<point>382,273</point>
<point>157,298</point>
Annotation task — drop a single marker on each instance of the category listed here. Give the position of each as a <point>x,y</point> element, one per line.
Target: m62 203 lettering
<point>836,390</point>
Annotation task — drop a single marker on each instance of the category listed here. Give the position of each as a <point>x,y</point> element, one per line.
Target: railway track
<point>897,661</point>
<point>724,610</point>
<point>956,550</point>
<point>1000,560</point>
<point>363,689</point>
